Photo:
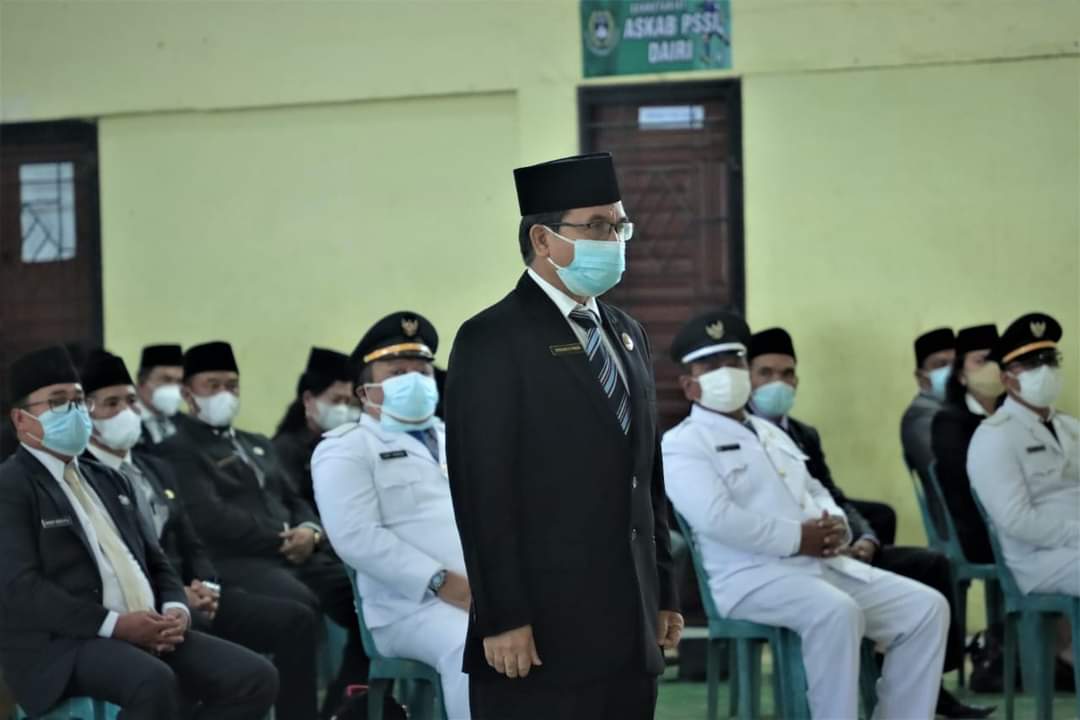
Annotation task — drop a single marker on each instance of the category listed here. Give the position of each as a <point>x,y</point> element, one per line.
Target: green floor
<point>686,701</point>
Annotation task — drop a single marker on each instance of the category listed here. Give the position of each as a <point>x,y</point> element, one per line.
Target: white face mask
<point>218,410</point>
<point>355,413</point>
<point>166,399</point>
<point>120,432</point>
<point>725,389</point>
<point>329,416</point>
<point>1041,386</point>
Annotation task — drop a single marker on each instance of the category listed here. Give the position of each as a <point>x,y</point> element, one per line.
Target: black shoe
<point>1063,676</point>
<point>948,706</point>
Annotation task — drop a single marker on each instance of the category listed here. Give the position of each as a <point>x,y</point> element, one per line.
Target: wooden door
<point>678,158</point>
<point>50,252</point>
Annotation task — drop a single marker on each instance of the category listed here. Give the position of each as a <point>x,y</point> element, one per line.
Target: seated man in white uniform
<point>1024,465</point>
<point>769,536</point>
<point>384,500</point>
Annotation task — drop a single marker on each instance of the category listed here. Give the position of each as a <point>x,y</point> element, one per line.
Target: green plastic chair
<point>331,650</point>
<point>747,640</point>
<point>1036,615</point>
<point>942,536</point>
<point>424,679</point>
<point>80,708</point>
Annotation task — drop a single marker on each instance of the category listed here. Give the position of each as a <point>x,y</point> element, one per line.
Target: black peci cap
<point>774,340</point>
<point>214,356</point>
<point>157,355</point>
<point>976,337</point>
<point>931,342</point>
<point>567,183</point>
<point>40,368</point>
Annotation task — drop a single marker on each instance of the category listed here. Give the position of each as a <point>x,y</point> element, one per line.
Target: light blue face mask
<point>65,431</point>
<point>939,377</point>
<point>409,402</point>
<point>774,399</point>
<point>598,265</point>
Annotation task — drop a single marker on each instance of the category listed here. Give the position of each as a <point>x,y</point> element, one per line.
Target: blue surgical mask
<point>65,431</point>
<point>598,265</point>
<point>409,402</point>
<point>939,377</point>
<point>774,399</point>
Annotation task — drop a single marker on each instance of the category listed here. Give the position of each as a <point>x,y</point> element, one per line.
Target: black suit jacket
<point>294,448</point>
<point>232,514</point>
<point>562,517</point>
<point>809,441</point>
<point>951,434</point>
<point>179,539</point>
<point>50,586</point>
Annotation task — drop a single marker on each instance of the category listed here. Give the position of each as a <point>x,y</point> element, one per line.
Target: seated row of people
<point>247,549</point>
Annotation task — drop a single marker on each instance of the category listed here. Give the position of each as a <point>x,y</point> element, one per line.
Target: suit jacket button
<point>633,534</point>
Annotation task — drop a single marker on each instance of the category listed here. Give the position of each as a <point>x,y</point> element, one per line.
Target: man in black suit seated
<point>89,605</point>
<point>773,379</point>
<point>282,628</point>
<point>263,536</point>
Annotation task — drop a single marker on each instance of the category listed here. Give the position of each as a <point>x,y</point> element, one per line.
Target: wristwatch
<point>437,581</point>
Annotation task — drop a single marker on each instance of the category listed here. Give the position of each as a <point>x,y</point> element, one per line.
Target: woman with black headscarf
<point>324,400</point>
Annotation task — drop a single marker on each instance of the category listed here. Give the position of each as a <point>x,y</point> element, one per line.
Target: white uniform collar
<point>1022,412</point>
<point>53,464</point>
<point>564,302</point>
<point>974,406</point>
<point>107,458</point>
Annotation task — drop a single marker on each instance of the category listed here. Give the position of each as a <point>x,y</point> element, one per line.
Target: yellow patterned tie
<point>136,594</point>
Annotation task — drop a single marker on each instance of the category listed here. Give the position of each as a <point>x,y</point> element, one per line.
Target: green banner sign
<point>629,37</point>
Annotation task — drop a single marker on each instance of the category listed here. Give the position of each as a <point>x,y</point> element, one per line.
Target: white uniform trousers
<point>434,635</point>
<point>832,613</point>
<point>1066,578</point>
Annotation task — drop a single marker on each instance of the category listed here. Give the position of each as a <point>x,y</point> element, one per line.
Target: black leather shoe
<point>948,706</point>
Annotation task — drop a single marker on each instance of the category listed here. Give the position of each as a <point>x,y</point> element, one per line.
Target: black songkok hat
<point>931,342</point>
<point>157,355</point>
<point>37,369</point>
<point>976,337</point>
<point>567,183</point>
<point>774,340</point>
<point>324,368</point>
<point>103,369</point>
<point>209,357</point>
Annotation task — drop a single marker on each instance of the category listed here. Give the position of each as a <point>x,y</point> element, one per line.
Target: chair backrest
<point>365,634</point>
<point>947,536</point>
<point>933,534</point>
<point>1008,583</point>
<point>699,569</point>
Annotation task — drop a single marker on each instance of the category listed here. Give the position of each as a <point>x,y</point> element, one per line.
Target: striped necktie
<point>603,364</point>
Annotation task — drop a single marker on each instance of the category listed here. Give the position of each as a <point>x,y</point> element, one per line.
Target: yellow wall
<point>282,173</point>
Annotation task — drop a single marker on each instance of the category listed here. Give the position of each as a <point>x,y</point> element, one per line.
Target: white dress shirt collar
<point>107,458</point>
<point>53,464</point>
<point>564,302</point>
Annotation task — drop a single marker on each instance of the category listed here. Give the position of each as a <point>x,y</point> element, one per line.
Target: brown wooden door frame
<point>677,93</point>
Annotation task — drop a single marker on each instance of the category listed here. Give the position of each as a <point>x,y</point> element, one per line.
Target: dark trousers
<point>225,680</point>
<point>625,696</point>
<point>881,516</point>
<point>285,629</point>
<point>933,570</point>
<point>319,584</point>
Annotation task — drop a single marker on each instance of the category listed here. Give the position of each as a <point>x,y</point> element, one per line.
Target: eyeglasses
<point>65,405</point>
<point>602,229</point>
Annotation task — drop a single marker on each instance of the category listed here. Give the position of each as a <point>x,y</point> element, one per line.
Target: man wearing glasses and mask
<point>555,470</point>
<point>1023,462</point>
<point>91,606</point>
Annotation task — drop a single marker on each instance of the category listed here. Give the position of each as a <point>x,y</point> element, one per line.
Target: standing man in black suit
<point>282,628</point>
<point>555,470</point>
<point>90,605</point>
<point>773,378</point>
<point>263,536</point>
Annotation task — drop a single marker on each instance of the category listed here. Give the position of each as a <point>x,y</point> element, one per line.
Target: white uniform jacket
<point>385,505</point>
<point>745,498</point>
<point>1029,484</point>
